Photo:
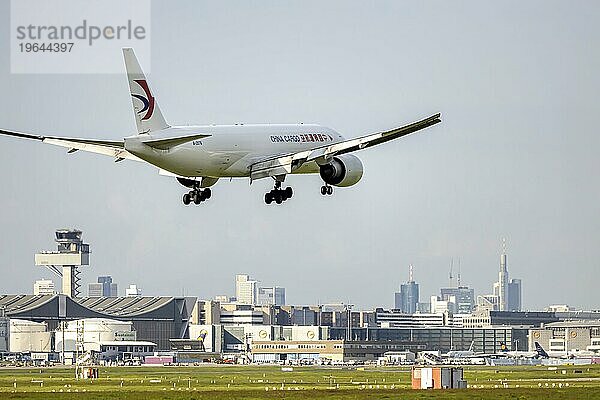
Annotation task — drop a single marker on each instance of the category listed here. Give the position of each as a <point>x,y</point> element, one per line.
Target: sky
<point>515,157</point>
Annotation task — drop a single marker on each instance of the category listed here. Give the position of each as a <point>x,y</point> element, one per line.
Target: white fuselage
<point>230,150</point>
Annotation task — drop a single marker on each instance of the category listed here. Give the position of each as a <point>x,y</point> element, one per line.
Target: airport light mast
<point>71,254</point>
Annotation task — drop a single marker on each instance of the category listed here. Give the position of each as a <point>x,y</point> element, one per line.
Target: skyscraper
<point>503,281</point>
<point>408,297</point>
<point>514,295</point>
<point>506,294</point>
<point>104,288</point>
<point>274,295</point>
<point>95,290</point>
<point>464,298</point>
<point>246,289</point>
<point>109,289</point>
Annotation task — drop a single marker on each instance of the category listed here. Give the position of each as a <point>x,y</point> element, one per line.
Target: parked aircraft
<point>569,354</point>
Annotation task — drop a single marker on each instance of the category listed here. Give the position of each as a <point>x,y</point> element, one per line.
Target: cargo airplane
<point>198,156</point>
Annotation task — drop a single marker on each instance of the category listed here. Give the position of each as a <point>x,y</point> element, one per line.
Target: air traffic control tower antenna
<point>70,255</point>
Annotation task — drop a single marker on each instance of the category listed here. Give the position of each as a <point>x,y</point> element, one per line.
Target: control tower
<point>71,254</point>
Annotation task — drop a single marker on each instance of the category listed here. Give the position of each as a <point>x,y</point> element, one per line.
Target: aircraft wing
<point>285,164</point>
<point>110,148</point>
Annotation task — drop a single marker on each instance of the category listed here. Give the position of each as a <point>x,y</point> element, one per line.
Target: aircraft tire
<point>186,199</point>
<point>268,198</point>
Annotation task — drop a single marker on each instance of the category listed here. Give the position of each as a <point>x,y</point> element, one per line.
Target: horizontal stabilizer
<point>167,143</point>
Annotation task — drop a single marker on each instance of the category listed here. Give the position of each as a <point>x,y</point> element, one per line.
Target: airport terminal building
<point>154,319</point>
<point>42,323</point>
<point>566,336</point>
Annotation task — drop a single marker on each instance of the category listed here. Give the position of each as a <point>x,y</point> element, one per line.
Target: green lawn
<point>255,382</point>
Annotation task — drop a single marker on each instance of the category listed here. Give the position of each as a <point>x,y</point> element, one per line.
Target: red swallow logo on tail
<point>148,101</point>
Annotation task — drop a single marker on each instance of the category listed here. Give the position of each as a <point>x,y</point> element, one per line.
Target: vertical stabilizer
<point>148,116</point>
<point>541,353</point>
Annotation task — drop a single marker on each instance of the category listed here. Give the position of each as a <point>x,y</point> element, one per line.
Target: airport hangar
<point>155,319</point>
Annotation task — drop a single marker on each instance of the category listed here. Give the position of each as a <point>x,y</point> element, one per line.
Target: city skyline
<point>253,293</point>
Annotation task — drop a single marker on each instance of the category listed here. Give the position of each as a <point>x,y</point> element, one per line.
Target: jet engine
<point>343,170</point>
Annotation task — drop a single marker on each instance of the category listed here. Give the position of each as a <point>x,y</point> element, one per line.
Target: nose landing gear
<point>326,190</point>
<point>278,195</point>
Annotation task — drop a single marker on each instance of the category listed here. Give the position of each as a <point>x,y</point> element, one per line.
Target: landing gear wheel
<point>269,198</point>
<point>186,199</point>
<point>278,195</point>
<point>207,193</point>
<point>329,190</point>
<point>198,197</point>
<point>323,190</point>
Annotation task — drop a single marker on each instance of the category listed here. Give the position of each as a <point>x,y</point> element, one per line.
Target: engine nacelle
<point>344,170</point>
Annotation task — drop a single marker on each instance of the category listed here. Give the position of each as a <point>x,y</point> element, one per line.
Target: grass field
<point>256,382</point>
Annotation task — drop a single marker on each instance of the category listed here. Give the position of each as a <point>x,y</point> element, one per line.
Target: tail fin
<point>540,351</point>
<point>148,116</point>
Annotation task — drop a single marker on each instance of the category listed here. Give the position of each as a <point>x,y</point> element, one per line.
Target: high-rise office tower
<point>109,289</point>
<point>103,288</point>
<point>507,294</point>
<point>246,289</point>
<point>273,295</point>
<point>514,301</point>
<point>406,300</point>
<point>503,281</point>
<point>464,298</point>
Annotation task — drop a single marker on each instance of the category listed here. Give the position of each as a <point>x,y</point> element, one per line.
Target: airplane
<point>503,353</point>
<point>198,156</point>
<point>539,353</point>
<point>571,354</point>
<point>462,353</point>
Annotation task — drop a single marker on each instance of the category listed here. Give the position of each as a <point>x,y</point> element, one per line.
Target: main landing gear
<point>326,190</point>
<point>278,195</point>
<point>197,196</point>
